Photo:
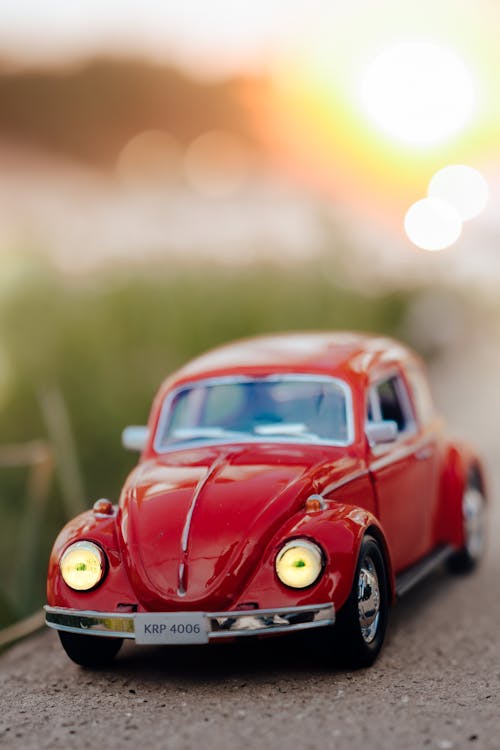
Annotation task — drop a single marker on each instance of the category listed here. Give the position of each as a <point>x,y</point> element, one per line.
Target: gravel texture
<point>436,684</point>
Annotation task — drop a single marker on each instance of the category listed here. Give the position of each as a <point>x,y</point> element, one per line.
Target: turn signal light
<point>314,503</point>
<point>103,507</point>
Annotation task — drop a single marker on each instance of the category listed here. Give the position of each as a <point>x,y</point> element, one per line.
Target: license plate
<point>171,628</point>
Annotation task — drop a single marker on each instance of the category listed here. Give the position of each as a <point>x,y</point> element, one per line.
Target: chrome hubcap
<point>368,600</point>
<point>474,522</point>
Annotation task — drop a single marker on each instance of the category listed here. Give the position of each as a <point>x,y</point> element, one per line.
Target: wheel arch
<point>462,466</point>
<point>115,586</point>
<point>376,533</point>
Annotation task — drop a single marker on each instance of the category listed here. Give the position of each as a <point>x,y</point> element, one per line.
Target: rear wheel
<point>362,621</point>
<point>90,650</point>
<point>474,520</point>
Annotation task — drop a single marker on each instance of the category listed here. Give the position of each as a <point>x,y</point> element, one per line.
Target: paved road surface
<point>436,684</point>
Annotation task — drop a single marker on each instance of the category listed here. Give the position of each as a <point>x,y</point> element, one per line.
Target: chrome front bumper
<point>216,625</point>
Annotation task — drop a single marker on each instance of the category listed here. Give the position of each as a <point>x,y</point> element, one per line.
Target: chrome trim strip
<point>181,589</point>
<point>187,525</point>
<point>220,624</point>
<point>398,454</point>
<point>392,458</point>
<point>341,482</point>
<point>290,376</point>
<point>112,624</point>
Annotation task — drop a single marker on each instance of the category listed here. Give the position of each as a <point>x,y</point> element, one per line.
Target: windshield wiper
<point>290,429</point>
<point>202,433</point>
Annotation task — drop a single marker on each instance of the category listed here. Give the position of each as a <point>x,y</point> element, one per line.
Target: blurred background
<point>175,175</point>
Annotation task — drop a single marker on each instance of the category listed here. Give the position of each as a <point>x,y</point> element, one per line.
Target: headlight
<point>82,566</point>
<point>299,563</point>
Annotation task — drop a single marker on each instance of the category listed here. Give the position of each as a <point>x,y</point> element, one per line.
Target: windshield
<point>295,408</point>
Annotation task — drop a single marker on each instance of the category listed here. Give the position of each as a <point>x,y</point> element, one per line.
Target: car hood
<point>195,523</point>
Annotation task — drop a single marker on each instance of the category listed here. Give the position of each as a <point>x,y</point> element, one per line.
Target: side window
<point>389,401</point>
<point>390,404</point>
<point>369,412</point>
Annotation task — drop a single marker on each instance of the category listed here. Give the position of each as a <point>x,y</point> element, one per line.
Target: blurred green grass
<point>107,341</point>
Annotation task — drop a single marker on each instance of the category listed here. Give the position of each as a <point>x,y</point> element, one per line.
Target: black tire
<point>466,559</point>
<point>90,650</point>
<point>359,635</point>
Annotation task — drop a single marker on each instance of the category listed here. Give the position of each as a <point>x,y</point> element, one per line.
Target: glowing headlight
<point>299,563</point>
<point>82,566</point>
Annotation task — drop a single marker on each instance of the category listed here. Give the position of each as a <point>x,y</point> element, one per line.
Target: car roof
<point>341,353</point>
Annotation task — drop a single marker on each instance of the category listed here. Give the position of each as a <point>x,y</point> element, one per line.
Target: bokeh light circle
<point>418,92</point>
<point>152,156</point>
<point>217,163</point>
<point>432,224</point>
<point>464,187</point>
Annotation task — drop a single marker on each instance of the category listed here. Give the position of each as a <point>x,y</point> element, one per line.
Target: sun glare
<point>432,224</point>
<point>418,92</point>
<point>464,187</point>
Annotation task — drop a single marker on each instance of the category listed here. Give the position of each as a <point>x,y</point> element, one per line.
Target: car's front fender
<point>338,530</point>
<point>115,588</point>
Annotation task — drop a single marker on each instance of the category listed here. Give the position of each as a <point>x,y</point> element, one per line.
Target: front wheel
<point>90,650</point>
<point>474,521</point>
<point>362,621</point>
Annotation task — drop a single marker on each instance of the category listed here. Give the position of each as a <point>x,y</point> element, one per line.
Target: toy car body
<point>285,483</point>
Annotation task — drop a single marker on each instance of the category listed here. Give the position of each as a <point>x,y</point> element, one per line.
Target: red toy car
<point>286,483</point>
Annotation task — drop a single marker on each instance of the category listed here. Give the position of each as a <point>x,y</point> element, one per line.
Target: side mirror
<point>381,432</point>
<point>135,438</point>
